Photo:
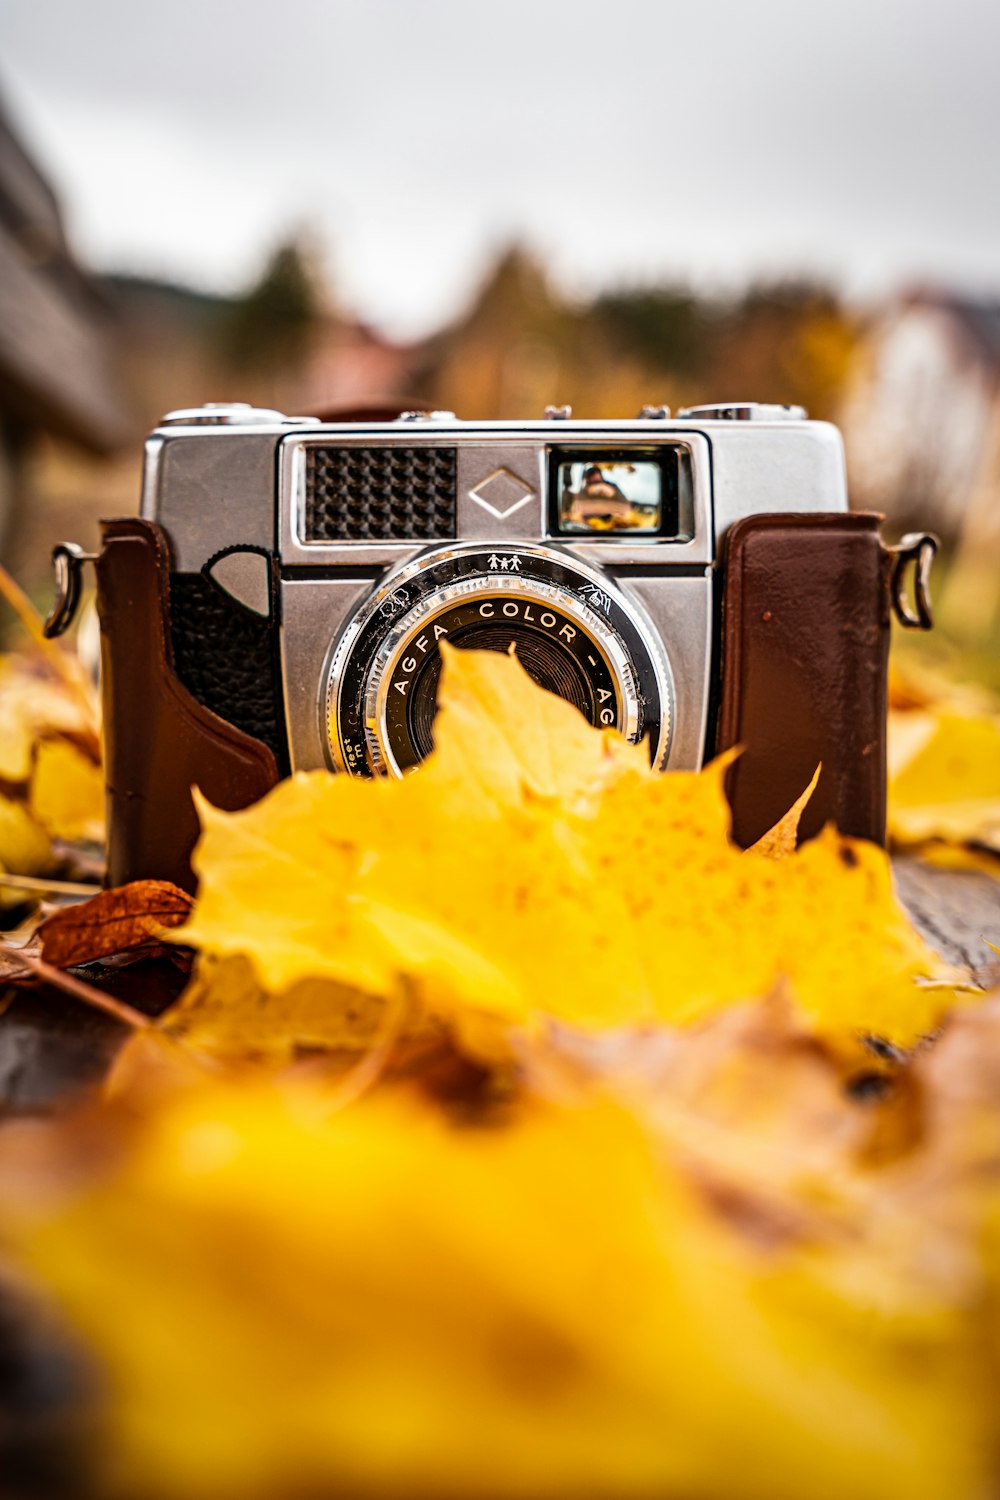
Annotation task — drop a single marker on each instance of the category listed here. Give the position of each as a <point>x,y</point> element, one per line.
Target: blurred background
<point>494,207</point>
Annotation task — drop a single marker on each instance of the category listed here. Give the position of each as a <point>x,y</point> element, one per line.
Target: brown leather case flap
<point>805,633</point>
<point>159,740</point>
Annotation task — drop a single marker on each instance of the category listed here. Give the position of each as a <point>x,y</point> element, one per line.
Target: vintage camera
<point>696,582</point>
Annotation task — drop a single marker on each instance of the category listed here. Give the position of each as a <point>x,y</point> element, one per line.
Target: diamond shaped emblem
<point>501,493</point>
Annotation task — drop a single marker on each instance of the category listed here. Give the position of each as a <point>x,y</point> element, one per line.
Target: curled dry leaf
<point>13,961</point>
<point>536,869</point>
<point>113,922</point>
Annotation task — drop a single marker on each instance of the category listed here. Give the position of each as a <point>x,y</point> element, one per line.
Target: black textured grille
<point>380,494</point>
<point>228,660</point>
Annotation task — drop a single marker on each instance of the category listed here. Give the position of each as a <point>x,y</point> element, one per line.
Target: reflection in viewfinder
<point>611,496</point>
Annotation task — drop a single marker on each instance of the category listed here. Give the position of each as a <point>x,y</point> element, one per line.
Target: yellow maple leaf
<point>36,704</point>
<point>226,1013</point>
<point>945,781</point>
<point>53,785</point>
<point>67,792</point>
<point>25,848</point>
<point>382,1305</point>
<point>536,869</point>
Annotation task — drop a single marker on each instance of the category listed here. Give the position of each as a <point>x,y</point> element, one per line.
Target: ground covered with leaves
<point>512,1134</point>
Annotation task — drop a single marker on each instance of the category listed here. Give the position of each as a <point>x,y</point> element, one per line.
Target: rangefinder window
<point>620,493</point>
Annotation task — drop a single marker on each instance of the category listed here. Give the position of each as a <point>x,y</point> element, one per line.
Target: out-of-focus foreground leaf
<point>383,1303</point>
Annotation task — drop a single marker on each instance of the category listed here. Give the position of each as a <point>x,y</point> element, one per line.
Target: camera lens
<point>572,631</point>
<point>552,644</point>
<point>541,657</point>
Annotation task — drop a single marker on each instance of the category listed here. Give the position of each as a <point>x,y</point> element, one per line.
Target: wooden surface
<point>957,911</point>
<point>53,1047</point>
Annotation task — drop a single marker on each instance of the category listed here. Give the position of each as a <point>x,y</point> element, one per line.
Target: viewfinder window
<point>614,493</point>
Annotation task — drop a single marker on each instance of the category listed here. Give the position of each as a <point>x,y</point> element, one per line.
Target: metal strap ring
<point>917,547</point>
<point>67,564</point>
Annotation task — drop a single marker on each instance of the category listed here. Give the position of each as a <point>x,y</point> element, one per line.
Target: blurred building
<point>921,421</point>
<point>921,414</point>
<point>57,341</point>
<point>349,364</point>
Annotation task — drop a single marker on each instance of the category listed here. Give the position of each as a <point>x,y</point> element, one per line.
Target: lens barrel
<point>572,630</point>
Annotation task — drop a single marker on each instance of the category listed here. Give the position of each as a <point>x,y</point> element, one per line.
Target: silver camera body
<point>592,547</point>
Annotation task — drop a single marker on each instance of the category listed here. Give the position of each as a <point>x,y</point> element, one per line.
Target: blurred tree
<point>270,328</point>
<point>521,346</point>
<point>667,328</point>
<point>781,341</point>
<point>510,353</point>
<point>784,341</point>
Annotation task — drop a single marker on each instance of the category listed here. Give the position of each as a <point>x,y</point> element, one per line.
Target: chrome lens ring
<point>593,646</point>
<point>526,601</point>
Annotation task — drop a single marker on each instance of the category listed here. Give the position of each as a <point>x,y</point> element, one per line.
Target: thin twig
<point>85,992</point>
<point>59,887</point>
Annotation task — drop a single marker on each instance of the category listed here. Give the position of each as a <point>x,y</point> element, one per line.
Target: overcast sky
<point>625,140</point>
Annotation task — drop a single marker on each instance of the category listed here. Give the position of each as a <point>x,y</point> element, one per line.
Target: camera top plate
<point>218,477</point>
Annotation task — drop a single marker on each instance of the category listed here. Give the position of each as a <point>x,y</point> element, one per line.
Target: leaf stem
<point>88,993</point>
<point>57,887</point>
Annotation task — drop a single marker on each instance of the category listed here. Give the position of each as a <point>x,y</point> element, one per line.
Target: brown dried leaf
<point>112,922</point>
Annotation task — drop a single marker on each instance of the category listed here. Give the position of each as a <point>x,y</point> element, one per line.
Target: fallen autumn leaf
<point>113,922</point>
